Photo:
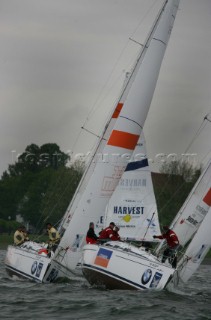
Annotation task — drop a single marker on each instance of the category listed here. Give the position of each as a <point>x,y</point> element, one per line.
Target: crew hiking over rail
<point>172,245</point>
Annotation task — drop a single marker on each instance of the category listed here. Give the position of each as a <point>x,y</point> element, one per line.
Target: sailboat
<point>121,264</point>
<point>132,207</point>
<point>118,142</point>
<point>119,139</point>
<point>192,225</point>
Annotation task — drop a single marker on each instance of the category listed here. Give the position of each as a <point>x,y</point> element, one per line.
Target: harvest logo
<point>128,210</point>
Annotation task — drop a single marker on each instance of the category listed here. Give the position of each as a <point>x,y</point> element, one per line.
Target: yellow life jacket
<point>18,237</point>
<point>54,235</point>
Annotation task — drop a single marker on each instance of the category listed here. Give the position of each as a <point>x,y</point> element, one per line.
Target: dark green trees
<point>39,186</point>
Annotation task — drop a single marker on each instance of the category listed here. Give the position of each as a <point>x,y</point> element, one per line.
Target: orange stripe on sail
<point>207,198</point>
<point>117,110</point>
<point>123,139</point>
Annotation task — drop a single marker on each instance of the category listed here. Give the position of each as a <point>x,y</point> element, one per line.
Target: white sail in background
<point>133,206</point>
<point>196,251</point>
<point>195,208</point>
<point>103,175</point>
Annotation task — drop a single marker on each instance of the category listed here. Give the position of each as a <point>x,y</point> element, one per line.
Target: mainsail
<point>118,141</point>
<point>132,206</point>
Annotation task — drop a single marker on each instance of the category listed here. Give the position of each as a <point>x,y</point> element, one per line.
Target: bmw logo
<point>34,267</point>
<point>146,276</point>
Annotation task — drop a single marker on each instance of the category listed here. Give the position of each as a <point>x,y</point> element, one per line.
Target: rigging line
<point>202,160</point>
<point>51,192</point>
<point>206,118</point>
<point>58,201</point>
<point>121,53</point>
<point>95,106</point>
<point>124,48</point>
<point>202,126</point>
<point>165,205</point>
<point>136,42</point>
<point>59,178</point>
<point>94,134</point>
<point>144,17</point>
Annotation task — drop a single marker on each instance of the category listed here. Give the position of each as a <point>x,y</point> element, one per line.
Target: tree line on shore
<point>39,186</point>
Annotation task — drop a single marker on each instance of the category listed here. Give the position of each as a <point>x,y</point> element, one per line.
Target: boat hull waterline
<point>29,264</point>
<point>119,265</point>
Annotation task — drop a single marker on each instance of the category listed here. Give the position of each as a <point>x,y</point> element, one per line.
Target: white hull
<point>29,264</point>
<point>119,265</point>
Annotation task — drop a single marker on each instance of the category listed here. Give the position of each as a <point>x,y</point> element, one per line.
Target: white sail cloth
<point>132,206</point>
<point>197,250</point>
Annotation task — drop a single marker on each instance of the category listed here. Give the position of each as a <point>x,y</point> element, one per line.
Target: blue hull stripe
<point>20,273</point>
<point>113,275</point>
<point>137,165</point>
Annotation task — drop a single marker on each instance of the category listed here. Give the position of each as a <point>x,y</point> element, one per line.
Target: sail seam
<point>131,121</point>
<point>160,41</point>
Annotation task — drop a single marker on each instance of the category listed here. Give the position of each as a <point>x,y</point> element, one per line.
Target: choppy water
<point>20,299</point>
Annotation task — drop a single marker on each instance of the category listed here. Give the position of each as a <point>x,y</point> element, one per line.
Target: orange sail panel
<point>117,110</point>
<point>207,198</point>
<point>123,139</point>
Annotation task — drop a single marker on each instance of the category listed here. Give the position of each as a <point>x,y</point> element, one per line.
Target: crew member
<point>25,234</point>
<point>91,237</point>
<point>19,235</point>
<point>116,235</point>
<point>108,233</point>
<point>172,245</point>
<point>54,236</point>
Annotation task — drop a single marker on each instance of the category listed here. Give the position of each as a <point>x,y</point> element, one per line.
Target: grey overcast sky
<point>63,62</point>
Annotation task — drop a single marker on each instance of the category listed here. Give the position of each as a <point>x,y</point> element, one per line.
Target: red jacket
<point>115,236</point>
<point>171,238</point>
<point>90,240</point>
<point>108,233</point>
<point>91,237</point>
